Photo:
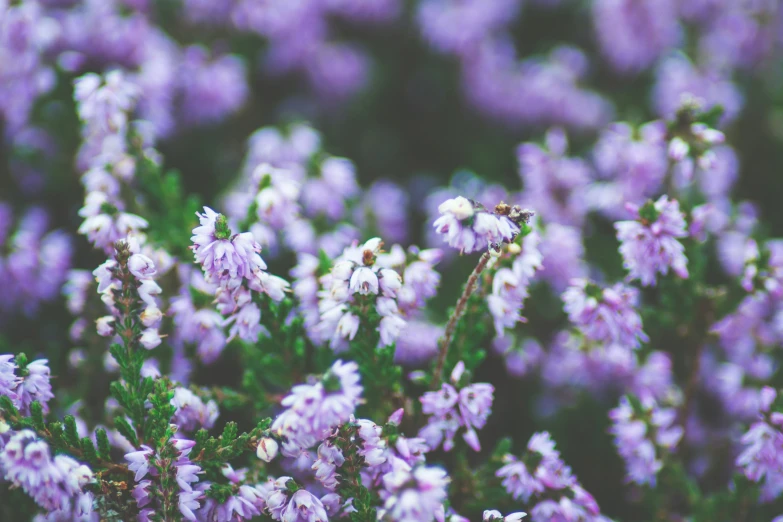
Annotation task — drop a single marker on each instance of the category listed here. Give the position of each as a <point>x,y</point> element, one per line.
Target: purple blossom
<point>633,34</point>
<point>54,483</point>
<point>211,89</point>
<point>641,436</point>
<point>562,256</point>
<point>35,386</point>
<point>313,409</point>
<point>605,315</point>
<point>566,499</point>
<point>414,493</point>
<point>225,258</point>
<point>105,223</point>
<point>762,454</point>
<point>330,458</point>
<point>192,413</point>
<point>450,410</point>
<point>510,285</point>
<point>649,244</point>
<point>554,182</point>
<point>468,227</point>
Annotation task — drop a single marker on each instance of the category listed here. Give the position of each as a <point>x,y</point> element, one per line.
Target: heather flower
<point>192,413</point>
<point>761,458</point>
<point>414,494</point>
<point>225,258</point>
<point>358,273</point>
<point>562,256</point>
<point>278,194</point>
<point>642,431</point>
<point>649,244</point>
<point>633,34</point>
<point>469,227</point>
<point>330,458</point>
<point>54,483</point>
<point>211,89</point>
<point>105,223</point>
<point>313,409</point>
<point>35,386</point>
<point>632,161</point>
<point>492,514</point>
<point>605,315</point>
<point>554,182</point>
<point>510,285</point>
<point>450,410</point>
<point>541,473</point>
<point>267,449</point>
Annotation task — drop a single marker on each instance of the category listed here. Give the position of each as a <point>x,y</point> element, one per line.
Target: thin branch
<point>455,317</point>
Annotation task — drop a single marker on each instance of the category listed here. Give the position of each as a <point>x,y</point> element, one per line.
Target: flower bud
<point>151,316</point>
<point>104,326</point>
<point>267,449</point>
<point>141,266</point>
<point>150,338</point>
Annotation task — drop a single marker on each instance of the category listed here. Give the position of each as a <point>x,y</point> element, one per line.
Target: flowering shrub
<point>238,282</point>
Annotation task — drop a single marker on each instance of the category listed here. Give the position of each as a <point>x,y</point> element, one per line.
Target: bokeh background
<point>421,93</point>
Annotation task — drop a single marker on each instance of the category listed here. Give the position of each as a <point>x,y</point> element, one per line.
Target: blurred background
<point>424,94</point>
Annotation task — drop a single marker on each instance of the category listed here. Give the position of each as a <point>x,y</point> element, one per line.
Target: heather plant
<point>376,260</point>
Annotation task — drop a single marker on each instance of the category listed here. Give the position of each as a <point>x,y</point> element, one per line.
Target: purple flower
<point>105,223</point>
<point>554,182</point>
<point>632,33</point>
<point>35,386</point>
<point>450,410</point>
<point>761,458</point>
<point>225,258</point>
<point>510,285</point>
<point>330,458</point>
<point>468,227</point>
<point>641,436</point>
<point>551,478</point>
<point>562,256</point>
<point>649,245</point>
<point>417,344</point>
<point>211,90</point>
<point>8,380</point>
<point>191,412</point>
<point>605,315</point>
<point>54,483</point>
<point>414,494</point>
<point>313,409</point>
<point>303,507</point>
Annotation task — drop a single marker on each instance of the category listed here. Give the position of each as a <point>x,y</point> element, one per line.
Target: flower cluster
<point>450,410</point>
<point>510,284</point>
<point>55,483</point>
<point>642,430</point>
<point>25,384</point>
<point>355,284</point>
<point>649,244</point>
<point>761,459</point>
<point>542,475</point>
<point>155,471</point>
<point>606,316</point>
<point>35,263</point>
<point>142,269</point>
<point>467,226</point>
<point>233,263</point>
<point>313,409</point>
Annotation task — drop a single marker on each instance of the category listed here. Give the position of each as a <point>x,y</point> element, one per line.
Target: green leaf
<point>229,435</point>
<point>36,415</point>
<point>126,430</point>
<point>8,406</point>
<point>88,450</point>
<point>70,433</point>
<point>104,448</point>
